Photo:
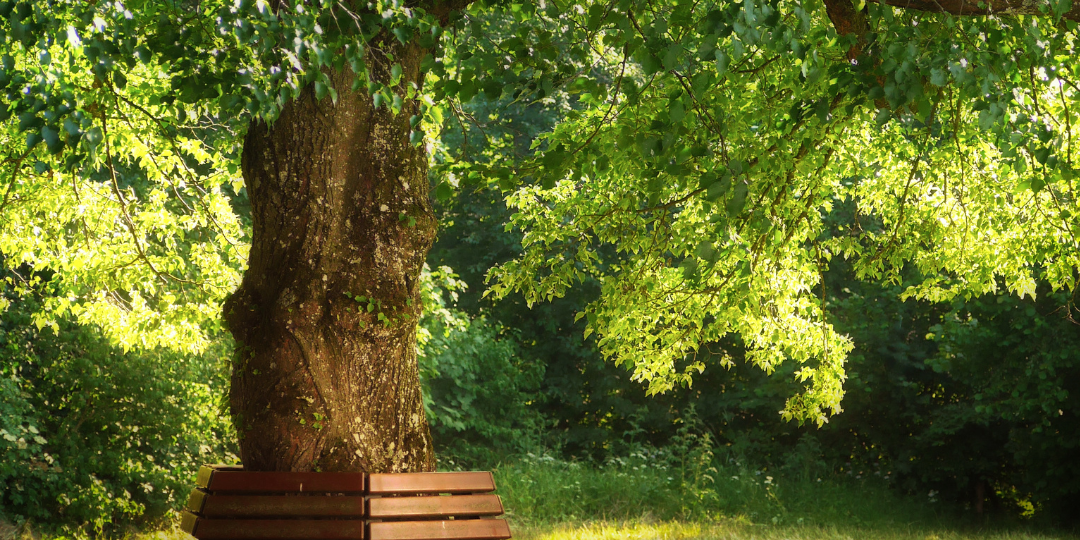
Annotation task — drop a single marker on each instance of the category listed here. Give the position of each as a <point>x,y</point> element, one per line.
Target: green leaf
<point>821,109</point>
<point>52,139</point>
<point>671,57</point>
<point>690,270</point>
<point>404,35</point>
<point>28,120</point>
<point>676,111</point>
<point>722,61</point>
<point>71,127</point>
<point>882,117</point>
<point>706,180</point>
<point>718,189</point>
<point>738,200</point>
<point>706,251</point>
<point>939,77</point>
<point>1037,183</point>
<point>32,139</point>
<point>650,64</point>
<point>444,192</point>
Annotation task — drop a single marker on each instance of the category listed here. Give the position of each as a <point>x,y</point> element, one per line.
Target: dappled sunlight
<point>739,530</point>
<point>618,531</point>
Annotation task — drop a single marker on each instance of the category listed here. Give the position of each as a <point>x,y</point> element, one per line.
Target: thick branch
<point>442,9</point>
<point>849,21</point>
<point>992,7</point>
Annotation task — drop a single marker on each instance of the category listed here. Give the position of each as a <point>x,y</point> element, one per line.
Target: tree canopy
<point>708,160</point>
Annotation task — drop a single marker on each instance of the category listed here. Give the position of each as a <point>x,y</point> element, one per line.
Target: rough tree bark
<point>341,209</point>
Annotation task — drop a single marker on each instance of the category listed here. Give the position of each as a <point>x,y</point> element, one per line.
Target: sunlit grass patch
<point>738,530</point>
<point>619,531</point>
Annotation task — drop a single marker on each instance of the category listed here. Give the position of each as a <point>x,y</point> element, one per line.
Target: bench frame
<point>232,504</point>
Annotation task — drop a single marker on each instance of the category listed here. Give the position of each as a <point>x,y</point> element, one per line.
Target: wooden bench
<point>232,504</point>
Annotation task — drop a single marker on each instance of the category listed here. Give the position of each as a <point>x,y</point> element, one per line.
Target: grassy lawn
<point>639,499</point>
<point>730,529</point>
<point>547,499</point>
<point>733,530</point>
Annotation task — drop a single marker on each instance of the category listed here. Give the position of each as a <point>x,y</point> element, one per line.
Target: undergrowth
<point>692,489</point>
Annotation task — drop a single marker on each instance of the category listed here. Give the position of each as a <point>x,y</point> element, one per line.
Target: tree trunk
<point>322,381</point>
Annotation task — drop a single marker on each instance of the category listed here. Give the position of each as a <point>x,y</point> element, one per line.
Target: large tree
<point>699,149</point>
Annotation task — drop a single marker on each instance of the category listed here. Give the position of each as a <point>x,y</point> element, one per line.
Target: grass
<point>643,529</point>
<point>733,530</point>
<point>660,496</point>
<point>657,497</point>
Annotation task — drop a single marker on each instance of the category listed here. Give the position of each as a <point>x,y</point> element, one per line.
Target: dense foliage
<point>479,390</point>
<point>941,396</point>
<point>697,189</point>
<point>92,435</point>
<point>694,188</point>
<point>690,179</point>
<point>980,396</point>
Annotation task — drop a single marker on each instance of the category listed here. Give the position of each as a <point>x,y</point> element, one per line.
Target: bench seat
<point>232,504</point>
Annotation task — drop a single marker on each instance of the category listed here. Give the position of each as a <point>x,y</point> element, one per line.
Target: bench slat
<point>443,482</point>
<point>434,506</point>
<point>234,479</point>
<point>466,529</point>
<point>250,506</point>
<point>276,529</point>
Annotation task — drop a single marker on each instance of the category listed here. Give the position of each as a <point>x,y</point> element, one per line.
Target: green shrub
<point>479,393</point>
<point>479,390</point>
<point>93,437</point>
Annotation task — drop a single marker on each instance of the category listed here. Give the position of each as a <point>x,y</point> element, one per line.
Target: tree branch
<point>992,7</point>
<point>849,21</point>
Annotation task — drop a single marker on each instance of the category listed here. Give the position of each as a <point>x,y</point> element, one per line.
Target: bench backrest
<point>233,504</point>
<point>408,505</point>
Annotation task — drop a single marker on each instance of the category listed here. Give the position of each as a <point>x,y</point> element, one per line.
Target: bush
<point>479,390</point>
<point>478,394</point>
<point>93,437</point>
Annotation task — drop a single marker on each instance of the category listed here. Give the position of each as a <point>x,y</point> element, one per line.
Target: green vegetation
<point>549,498</point>
<point>695,255</point>
<point>119,446</point>
<point>672,494</point>
<point>976,394</point>
<point>93,436</point>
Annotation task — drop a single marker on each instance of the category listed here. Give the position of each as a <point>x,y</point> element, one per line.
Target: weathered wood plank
<point>196,500</point>
<point>277,529</point>
<point>434,506</point>
<point>234,479</point>
<point>187,522</point>
<point>445,482</point>
<point>465,529</point>
<point>286,506</point>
